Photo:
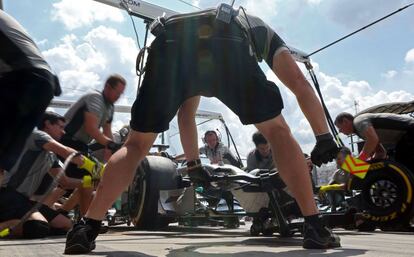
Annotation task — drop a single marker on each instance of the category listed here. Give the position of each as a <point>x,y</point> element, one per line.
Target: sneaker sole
<point>312,244</point>
<point>77,249</point>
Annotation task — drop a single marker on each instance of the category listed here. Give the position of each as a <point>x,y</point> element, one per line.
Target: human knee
<point>135,146</point>
<point>274,128</point>
<point>35,229</point>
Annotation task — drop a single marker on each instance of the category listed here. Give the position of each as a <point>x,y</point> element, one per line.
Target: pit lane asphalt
<point>215,242</point>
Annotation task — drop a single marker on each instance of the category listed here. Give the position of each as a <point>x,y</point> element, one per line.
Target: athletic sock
<point>95,226</point>
<point>316,222</point>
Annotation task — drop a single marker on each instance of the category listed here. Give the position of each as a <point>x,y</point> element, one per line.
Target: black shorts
<point>182,64</point>
<point>72,170</point>
<point>14,205</point>
<point>24,96</point>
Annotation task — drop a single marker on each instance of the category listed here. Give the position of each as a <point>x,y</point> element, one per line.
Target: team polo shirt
<point>263,37</point>
<point>389,127</point>
<point>34,162</point>
<point>253,162</point>
<point>93,102</point>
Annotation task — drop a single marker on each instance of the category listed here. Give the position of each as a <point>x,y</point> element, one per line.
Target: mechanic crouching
<point>38,158</point>
<point>197,54</point>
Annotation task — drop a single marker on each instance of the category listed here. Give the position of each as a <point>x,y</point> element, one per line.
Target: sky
<point>85,41</point>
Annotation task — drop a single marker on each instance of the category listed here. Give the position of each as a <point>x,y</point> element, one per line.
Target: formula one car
<point>161,194</point>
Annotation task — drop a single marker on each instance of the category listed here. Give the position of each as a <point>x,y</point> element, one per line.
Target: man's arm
<point>63,151</point>
<point>107,130</point>
<point>64,181</point>
<point>92,128</point>
<point>371,142</point>
<point>380,152</point>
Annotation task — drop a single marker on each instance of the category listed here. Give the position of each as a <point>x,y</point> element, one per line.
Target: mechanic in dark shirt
<point>196,54</point>
<point>27,86</point>
<point>37,159</point>
<point>379,129</point>
<point>84,119</point>
<point>261,156</point>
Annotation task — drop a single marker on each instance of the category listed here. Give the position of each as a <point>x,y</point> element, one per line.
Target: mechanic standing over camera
<point>207,54</point>
<point>27,86</point>
<point>84,119</point>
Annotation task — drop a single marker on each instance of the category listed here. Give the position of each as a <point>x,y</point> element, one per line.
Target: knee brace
<point>35,229</point>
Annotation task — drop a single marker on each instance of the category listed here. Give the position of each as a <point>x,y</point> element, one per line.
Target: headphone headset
<point>123,132</point>
<point>208,132</point>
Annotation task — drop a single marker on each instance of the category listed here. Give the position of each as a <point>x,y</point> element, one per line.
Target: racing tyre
<point>387,193</point>
<point>154,174</point>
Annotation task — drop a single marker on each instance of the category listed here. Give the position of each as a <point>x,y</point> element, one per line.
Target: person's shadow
<point>117,253</point>
<point>196,250</point>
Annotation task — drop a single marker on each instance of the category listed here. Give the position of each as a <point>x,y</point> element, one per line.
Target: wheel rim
<point>136,196</point>
<point>383,193</point>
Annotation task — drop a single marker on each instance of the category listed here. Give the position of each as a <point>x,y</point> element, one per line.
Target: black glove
<point>199,175</point>
<point>324,151</point>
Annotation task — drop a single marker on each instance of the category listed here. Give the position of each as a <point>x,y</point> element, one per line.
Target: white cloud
<point>77,13</point>
<point>314,1</point>
<point>265,9</point>
<point>353,13</point>
<point>83,63</point>
<point>409,57</point>
<point>389,74</point>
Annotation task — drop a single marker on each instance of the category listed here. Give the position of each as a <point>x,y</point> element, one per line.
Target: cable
<point>369,25</point>
<point>187,3</point>
<point>123,5</point>
<point>232,140</point>
<point>327,114</point>
<point>249,35</point>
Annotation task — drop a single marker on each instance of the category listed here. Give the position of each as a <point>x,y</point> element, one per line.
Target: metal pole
<point>1,4</point>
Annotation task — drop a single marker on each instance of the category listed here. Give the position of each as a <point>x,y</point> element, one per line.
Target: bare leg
<point>188,128</point>
<point>61,222</point>
<point>72,201</point>
<point>290,162</point>
<point>119,172</point>
<point>85,198</point>
<point>54,196</point>
<point>289,73</point>
<point>18,231</point>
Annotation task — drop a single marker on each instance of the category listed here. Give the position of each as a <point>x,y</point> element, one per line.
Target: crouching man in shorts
<point>194,55</point>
